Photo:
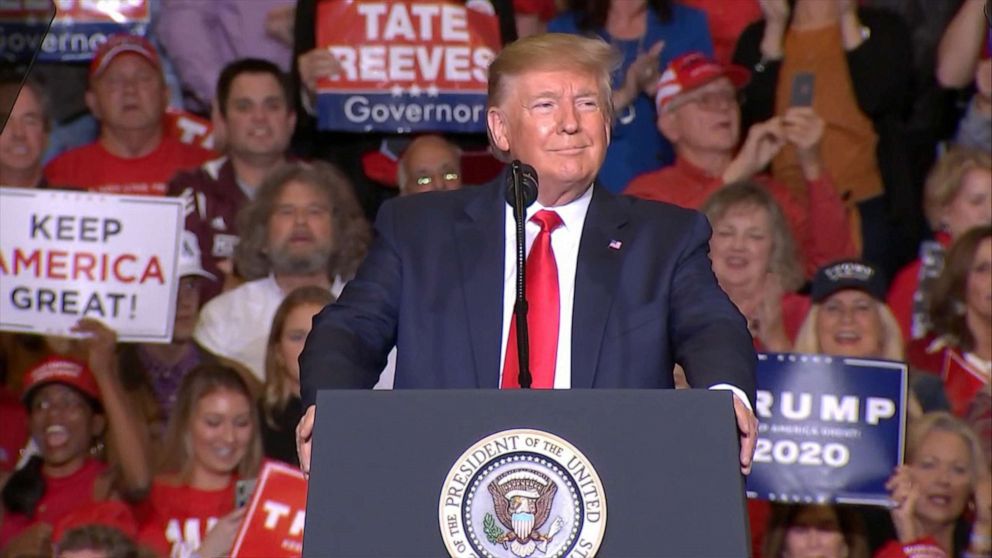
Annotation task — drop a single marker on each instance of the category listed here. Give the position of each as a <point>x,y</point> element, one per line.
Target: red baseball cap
<point>122,44</point>
<point>692,70</point>
<point>61,370</point>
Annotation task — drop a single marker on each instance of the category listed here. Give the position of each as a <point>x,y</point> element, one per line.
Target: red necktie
<point>543,311</point>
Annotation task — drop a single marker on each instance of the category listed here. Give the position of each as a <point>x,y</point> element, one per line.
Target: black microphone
<point>523,176</point>
<point>521,192</point>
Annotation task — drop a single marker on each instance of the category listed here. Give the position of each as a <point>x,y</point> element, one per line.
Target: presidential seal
<point>522,493</point>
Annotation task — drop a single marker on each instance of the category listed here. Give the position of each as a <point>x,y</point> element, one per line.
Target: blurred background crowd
<point>840,149</point>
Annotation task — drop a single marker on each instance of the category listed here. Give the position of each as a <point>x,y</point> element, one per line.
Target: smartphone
<point>242,492</point>
<point>802,90</point>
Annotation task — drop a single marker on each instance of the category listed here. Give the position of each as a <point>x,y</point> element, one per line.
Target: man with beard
<point>255,116</point>
<point>304,227</point>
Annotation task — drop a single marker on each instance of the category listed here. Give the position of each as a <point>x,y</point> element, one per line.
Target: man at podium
<point>619,289</point>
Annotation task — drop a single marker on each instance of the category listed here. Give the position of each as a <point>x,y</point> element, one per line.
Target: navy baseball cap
<point>848,274</point>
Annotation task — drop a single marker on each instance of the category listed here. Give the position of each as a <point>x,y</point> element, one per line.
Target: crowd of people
<point>839,149</point>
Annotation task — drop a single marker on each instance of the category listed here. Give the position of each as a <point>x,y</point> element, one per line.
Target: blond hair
<point>784,260</point>
<point>945,422</point>
<point>944,181</point>
<point>553,51</point>
<point>276,392</point>
<point>808,340</point>
<point>198,383</point>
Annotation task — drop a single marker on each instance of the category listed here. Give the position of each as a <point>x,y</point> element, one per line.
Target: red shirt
<point>212,198</point>
<point>686,185</point>
<point>93,168</point>
<point>181,514</point>
<point>727,21</point>
<point>62,496</point>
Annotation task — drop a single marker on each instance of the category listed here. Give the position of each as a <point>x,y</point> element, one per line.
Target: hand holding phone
<point>242,492</point>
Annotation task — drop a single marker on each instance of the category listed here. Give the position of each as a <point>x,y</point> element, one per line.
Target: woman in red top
<point>211,442</point>
<point>945,473</point>
<point>957,197</point>
<point>960,348</point>
<point>71,405</point>
<point>755,261</point>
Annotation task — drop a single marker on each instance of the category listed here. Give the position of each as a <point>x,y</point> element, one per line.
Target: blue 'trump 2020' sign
<point>831,428</point>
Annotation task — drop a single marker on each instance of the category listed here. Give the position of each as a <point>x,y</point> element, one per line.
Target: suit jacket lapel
<point>600,257</point>
<point>479,235</point>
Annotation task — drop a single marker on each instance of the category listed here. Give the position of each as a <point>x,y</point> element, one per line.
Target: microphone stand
<point>520,305</point>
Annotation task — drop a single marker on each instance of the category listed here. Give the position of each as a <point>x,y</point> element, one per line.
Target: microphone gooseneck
<point>521,193</point>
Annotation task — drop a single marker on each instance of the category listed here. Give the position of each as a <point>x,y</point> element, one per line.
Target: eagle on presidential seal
<point>522,501</point>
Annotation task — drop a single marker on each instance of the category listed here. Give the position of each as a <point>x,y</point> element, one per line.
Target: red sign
<point>430,55</point>
<point>961,382</point>
<point>273,525</point>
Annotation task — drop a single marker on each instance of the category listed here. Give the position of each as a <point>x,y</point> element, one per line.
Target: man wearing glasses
<point>428,164</point>
<point>699,112</point>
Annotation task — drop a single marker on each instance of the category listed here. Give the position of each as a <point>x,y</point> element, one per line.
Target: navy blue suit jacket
<point>432,284</point>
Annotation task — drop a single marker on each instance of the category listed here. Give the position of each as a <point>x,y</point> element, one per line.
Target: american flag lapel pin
<point>615,244</point>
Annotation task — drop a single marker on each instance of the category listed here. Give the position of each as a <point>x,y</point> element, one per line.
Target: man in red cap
<point>133,155</point>
<point>699,113</point>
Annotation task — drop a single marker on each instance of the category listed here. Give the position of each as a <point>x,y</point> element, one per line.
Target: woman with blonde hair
<point>849,316</point>
<point>211,442</point>
<point>957,197</point>
<point>945,474</point>
<point>280,407</point>
<point>755,261</point>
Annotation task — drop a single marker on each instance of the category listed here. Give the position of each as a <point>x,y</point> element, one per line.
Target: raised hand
<point>904,494</point>
<point>316,64</point>
<point>101,346</point>
<point>641,77</point>
<point>763,142</point>
<point>775,11</point>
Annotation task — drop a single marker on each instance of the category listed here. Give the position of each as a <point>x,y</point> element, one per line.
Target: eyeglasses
<point>709,100</point>
<point>450,176</point>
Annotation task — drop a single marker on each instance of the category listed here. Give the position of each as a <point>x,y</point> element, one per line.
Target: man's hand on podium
<point>304,436</point>
<point>747,425</point>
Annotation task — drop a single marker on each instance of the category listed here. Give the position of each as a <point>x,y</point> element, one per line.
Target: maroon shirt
<point>212,198</point>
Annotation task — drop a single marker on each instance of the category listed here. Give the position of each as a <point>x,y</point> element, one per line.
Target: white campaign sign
<point>70,255</point>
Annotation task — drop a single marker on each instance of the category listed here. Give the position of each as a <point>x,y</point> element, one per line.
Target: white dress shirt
<point>565,244</point>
